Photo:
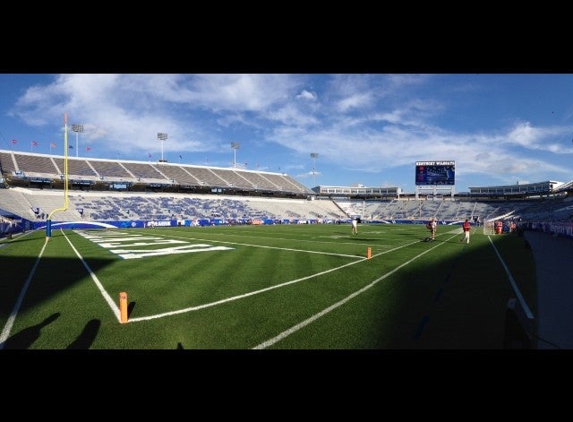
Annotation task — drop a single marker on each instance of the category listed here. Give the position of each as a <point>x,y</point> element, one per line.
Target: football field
<point>261,287</point>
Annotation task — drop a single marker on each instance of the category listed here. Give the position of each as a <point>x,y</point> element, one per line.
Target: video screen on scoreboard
<point>431,173</point>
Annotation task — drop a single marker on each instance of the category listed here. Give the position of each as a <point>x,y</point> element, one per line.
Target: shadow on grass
<point>87,336</point>
<point>28,336</point>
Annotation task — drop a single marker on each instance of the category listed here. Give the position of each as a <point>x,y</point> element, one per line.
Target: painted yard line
<point>308,321</point>
<point>207,305</point>
<point>231,299</point>
<point>312,239</point>
<point>131,241</point>
<point>138,253</point>
<point>116,311</point>
<point>187,239</point>
<point>10,322</point>
<point>106,296</point>
<point>297,250</point>
<point>512,281</point>
<point>269,247</point>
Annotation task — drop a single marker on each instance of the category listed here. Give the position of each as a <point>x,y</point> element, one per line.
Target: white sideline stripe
<point>249,245</point>
<point>274,247</point>
<point>106,296</point>
<point>230,299</point>
<point>10,322</point>
<point>312,239</point>
<point>313,318</point>
<point>513,283</point>
<point>266,289</point>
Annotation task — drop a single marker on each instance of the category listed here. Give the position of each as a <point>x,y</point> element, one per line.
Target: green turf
<point>272,287</point>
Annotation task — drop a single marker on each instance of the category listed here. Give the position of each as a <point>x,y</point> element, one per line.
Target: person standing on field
<point>466,227</point>
<point>354,226</point>
<point>434,227</point>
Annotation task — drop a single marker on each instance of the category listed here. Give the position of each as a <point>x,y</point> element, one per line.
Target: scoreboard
<point>432,173</point>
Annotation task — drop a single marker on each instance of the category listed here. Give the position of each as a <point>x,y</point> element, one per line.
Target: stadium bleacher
<point>120,190</point>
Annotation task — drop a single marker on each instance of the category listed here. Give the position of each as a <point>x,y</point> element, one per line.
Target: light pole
<point>235,146</point>
<point>314,156</point>
<point>162,137</point>
<point>77,128</point>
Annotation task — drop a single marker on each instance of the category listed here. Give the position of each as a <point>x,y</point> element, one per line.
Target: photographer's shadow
<point>25,338</point>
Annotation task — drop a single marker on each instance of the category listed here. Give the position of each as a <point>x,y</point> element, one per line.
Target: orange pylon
<point>123,307</point>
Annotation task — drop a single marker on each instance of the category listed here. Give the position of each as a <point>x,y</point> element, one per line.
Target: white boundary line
<point>270,247</point>
<point>115,309</point>
<point>10,322</point>
<point>313,318</point>
<point>301,325</point>
<point>230,299</point>
<point>106,296</point>
<point>12,317</point>
<point>513,283</point>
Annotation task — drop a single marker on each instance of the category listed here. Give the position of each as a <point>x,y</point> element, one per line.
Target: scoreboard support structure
<point>434,191</point>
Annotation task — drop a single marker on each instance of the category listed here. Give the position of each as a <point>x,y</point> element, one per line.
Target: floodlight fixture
<point>162,137</point>
<point>235,146</point>
<point>77,128</point>
<point>314,156</point>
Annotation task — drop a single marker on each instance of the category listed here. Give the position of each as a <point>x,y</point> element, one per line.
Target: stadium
<point>138,193</point>
<point>119,254</point>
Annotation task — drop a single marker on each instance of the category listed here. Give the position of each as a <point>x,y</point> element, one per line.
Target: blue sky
<point>366,129</point>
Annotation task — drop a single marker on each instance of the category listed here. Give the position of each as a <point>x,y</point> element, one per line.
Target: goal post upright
<point>66,199</point>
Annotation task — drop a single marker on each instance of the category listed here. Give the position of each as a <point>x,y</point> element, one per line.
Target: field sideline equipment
<point>489,226</point>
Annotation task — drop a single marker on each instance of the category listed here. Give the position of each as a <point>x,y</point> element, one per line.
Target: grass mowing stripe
<point>10,322</point>
<point>423,325</point>
<point>308,321</point>
<point>472,289</point>
<point>512,281</point>
<point>207,305</point>
<point>256,292</point>
<point>106,296</point>
<point>437,296</point>
<point>270,247</point>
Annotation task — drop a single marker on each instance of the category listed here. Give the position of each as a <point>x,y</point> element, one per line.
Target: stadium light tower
<point>314,156</point>
<point>162,137</point>
<point>77,128</point>
<point>235,146</point>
